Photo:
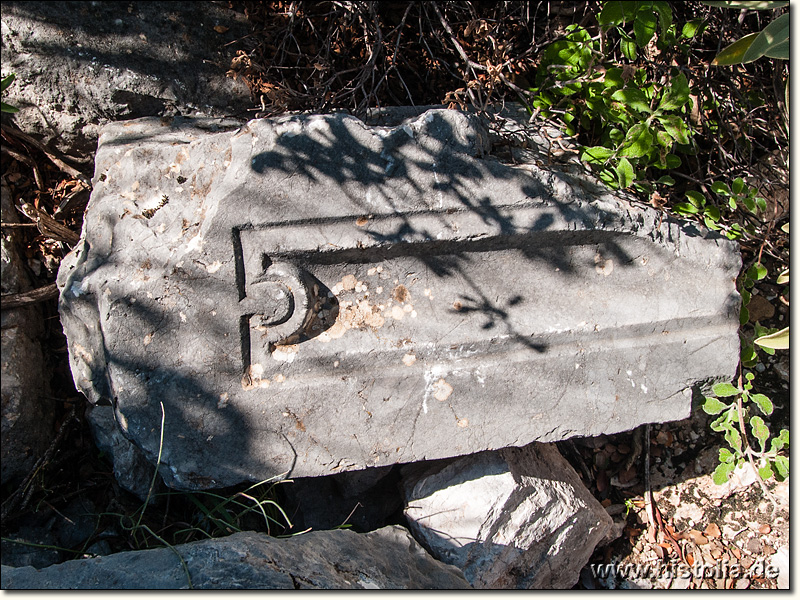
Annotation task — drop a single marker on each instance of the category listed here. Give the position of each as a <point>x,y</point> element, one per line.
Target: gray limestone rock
<point>517,518</point>
<point>311,295</point>
<point>385,559</point>
<point>95,62</point>
<point>27,413</point>
<point>132,470</point>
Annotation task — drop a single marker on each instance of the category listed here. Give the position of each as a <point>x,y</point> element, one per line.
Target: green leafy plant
<point>648,19</point>
<point>630,122</point>
<point>736,406</point>
<point>7,81</point>
<point>738,195</point>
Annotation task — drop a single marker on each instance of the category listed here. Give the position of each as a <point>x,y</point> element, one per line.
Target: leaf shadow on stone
<point>158,54</point>
<point>400,163</point>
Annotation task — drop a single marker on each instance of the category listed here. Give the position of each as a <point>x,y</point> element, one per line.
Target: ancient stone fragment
<point>388,558</point>
<point>518,518</point>
<point>311,295</point>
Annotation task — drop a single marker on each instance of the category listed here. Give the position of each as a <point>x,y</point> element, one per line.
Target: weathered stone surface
<point>132,470</point>
<point>27,414</point>
<point>518,518</point>
<point>385,559</point>
<point>97,62</point>
<point>312,295</point>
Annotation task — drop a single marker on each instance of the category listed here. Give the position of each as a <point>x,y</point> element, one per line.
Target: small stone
<point>760,309</point>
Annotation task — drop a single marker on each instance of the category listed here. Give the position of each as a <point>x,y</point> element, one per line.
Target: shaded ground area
<point>358,56</point>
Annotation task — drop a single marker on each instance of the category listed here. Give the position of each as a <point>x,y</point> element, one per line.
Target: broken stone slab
<point>310,295</point>
<point>388,558</point>
<point>78,69</point>
<point>27,412</point>
<point>517,518</point>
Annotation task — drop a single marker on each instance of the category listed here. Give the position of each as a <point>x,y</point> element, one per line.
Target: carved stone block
<point>315,295</point>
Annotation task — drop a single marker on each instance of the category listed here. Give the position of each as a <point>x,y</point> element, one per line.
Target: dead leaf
<point>221,28</point>
<point>690,559</point>
<point>764,529</point>
<point>736,552</point>
<point>713,531</point>
<point>697,537</point>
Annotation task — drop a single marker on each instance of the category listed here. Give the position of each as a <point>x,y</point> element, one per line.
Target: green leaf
<point>732,203</point>
<point>696,198</point>
<point>773,39</point>
<point>738,186</point>
<point>664,14</point>
<point>765,471</point>
<point>613,78</point>
<point>780,50</point>
<point>748,353</point>
<point>725,390</point>
<point>675,127</point>
<point>745,297</point>
<point>638,141</point>
<point>713,406</point>
<point>720,187</point>
<point>625,173</point>
<point>664,140</point>
<point>712,212</point>
<point>673,161</point>
<point>734,439</point>
<point>690,29</point>
<point>760,431</point>
<point>633,98</point>
<point>6,81</point>
<point>781,467</point>
<point>722,473</point>
<point>7,108</point>
<point>776,341</point>
<point>676,95</point>
<point>725,455</point>
<point>744,317</point>
<point>613,13</point>
<point>597,155</point>
<point>644,26</point>
<point>783,277</point>
<point>763,402</point>
<point>780,442</point>
<point>684,208</point>
<point>757,272</point>
<point>733,54</point>
<point>628,46</point>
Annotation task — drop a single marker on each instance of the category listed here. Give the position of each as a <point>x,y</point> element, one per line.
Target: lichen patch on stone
<point>442,390</point>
